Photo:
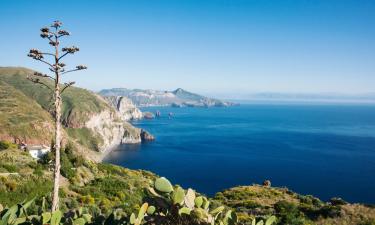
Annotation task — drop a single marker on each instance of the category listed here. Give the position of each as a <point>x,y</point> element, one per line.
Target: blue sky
<point>215,47</point>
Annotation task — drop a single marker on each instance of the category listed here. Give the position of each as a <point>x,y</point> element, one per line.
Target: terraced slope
<point>78,103</point>
<point>23,119</point>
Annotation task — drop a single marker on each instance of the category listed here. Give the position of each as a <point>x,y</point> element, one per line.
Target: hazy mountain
<point>300,97</point>
<point>177,98</point>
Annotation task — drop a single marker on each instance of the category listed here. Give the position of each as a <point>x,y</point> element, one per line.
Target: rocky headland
<point>127,109</point>
<point>93,123</point>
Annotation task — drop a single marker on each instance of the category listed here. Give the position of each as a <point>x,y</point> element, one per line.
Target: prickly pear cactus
<point>198,201</point>
<point>163,185</point>
<point>178,196</point>
<point>141,214</point>
<point>176,204</point>
<point>269,221</point>
<point>190,198</point>
<point>151,209</point>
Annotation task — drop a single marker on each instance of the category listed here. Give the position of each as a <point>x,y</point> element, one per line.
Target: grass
<point>26,109</point>
<point>85,137</point>
<point>114,185</point>
<point>100,186</point>
<point>15,189</point>
<point>292,208</point>
<point>26,184</point>
<point>78,103</point>
<point>21,118</point>
<point>6,145</point>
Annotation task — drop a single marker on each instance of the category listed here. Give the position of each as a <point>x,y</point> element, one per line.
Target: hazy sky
<point>212,47</point>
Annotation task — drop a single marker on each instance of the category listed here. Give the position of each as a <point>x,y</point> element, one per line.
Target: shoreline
<point>110,148</point>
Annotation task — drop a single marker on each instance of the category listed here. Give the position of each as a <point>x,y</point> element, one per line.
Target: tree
<point>53,35</point>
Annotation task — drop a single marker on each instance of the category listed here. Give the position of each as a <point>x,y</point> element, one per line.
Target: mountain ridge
<point>177,98</point>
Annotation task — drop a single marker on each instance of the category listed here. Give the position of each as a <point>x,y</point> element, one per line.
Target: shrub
<point>310,200</point>
<point>330,211</point>
<point>11,185</point>
<point>105,204</point>
<point>87,199</point>
<point>18,191</point>
<point>47,158</point>
<point>367,222</point>
<point>6,145</point>
<point>38,170</point>
<point>337,201</point>
<point>288,213</point>
<point>66,166</point>
<point>9,167</point>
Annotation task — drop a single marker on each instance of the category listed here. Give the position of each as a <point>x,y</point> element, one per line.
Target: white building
<point>37,151</point>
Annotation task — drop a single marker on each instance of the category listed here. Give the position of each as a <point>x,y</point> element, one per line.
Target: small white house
<point>37,151</point>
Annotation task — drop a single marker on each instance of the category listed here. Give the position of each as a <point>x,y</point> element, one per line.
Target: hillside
<point>293,208</point>
<point>89,121</point>
<point>101,189</point>
<point>177,98</point>
<point>84,183</point>
<point>78,103</point>
<point>22,119</point>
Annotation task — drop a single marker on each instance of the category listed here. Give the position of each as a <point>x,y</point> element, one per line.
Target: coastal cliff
<point>89,121</point>
<point>125,106</point>
<point>113,130</point>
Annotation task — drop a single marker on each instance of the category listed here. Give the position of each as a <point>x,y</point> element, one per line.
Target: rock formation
<point>148,115</point>
<point>112,130</point>
<point>125,107</point>
<point>94,125</point>
<point>146,136</point>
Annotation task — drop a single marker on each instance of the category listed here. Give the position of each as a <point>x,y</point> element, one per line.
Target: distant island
<point>306,97</point>
<point>176,98</point>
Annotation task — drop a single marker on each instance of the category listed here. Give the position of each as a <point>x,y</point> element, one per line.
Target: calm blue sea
<point>323,150</point>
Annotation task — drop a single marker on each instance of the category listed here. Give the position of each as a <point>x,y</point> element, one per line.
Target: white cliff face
<point>112,129</point>
<point>126,108</point>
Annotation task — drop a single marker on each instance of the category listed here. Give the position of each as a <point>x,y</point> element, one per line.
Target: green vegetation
<point>21,118</point>
<point>85,137</point>
<point>22,183</point>
<point>85,182</point>
<point>75,109</point>
<point>26,109</point>
<point>78,103</point>
<point>173,205</point>
<point>105,192</point>
<point>184,209</point>
<point>108,192</point>
<point>7,145</point>
<point>291,208</point>
<point>20,214</point>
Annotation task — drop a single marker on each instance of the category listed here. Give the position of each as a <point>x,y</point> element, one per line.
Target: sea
<point>325,150</point>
